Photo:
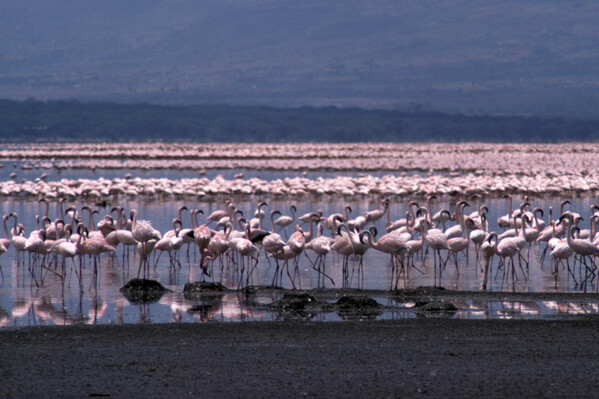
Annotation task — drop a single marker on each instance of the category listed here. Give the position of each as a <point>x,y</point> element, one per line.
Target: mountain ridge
<point>496,57</point>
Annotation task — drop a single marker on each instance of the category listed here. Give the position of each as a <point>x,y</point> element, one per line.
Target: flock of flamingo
<point>467,170</point>
<point>227,238</point>
<point>415,170</point>
<point>422,209</point>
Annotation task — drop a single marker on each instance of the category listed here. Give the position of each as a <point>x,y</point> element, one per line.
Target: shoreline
<point>274,305</point>
<point>407,358</point>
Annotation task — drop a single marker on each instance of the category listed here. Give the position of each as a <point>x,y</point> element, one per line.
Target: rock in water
<point>357,307</point>
<point>297,305</point>
<point>141,291</point>
<point>200,289</point>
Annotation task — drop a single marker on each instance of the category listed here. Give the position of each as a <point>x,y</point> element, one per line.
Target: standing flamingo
<point>143,232</point>
<point>273,243</point>
<point>585,249</point>
<point>390,244</point>
<point>374,215</point>
<point>322,246</point>
<point>284,221</point>
<point>489,249</point>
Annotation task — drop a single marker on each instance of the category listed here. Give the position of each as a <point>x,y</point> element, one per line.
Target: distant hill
<point>533,57</point>
<point>31,121</point>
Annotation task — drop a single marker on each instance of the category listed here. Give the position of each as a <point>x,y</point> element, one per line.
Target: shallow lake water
<point>31,295</point>
<point>26,170</point>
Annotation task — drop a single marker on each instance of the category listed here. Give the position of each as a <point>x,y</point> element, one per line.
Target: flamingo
<point>437,241</point>
<point>489,249</point>
<point>441,217</point>
<point>584,249</point>
<point>520,239</point>
<point>415,245</point>
<point>350,243</point>
<point>35,244</point>
<point>572,214</point>
<point>508,219</point>
<point>549,232</point>
<point>359,222</point>
<point>459,244</point>
<point>170,243</point>
<point>5,242</point>
<point>92,225</point>
<point>285,254</point>
<point>479,235</point>
<point>343,245</point>
<point>297,241</point>
<point>390,226</point>
<point>66,249</point>
<point>305,218</point>
<point>562,251</point>
<point>122,235</point>
<point>220,213</point>
<point>405,232</point>
<point>376,214</point>
<point>256,221</point>
<point>202,235</point>
<point>284,221</point>
<point>17,236</point>
<point>2,251</point>
<point>331,220</point>
<point>322,246</point>
<point>389,244</point>
<point>457,230</point>
<point>92,245</point>
<point>51,230</point>
<point>143,232</point>
<point>477,217</point>
<point>273,243</point>
<point>188,234</point>
<point>106,225</point>
<point>532,232</point>
<point>294,247</point>
<point>508,248</point>
<point>359,249</point>
<point>245,248</point>
<point>230,216</point>
<point>217,246</point>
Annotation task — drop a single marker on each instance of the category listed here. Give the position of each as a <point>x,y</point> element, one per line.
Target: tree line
<point>33,120</point>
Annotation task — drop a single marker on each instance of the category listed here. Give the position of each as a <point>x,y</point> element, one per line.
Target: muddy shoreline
<point>376,359</point>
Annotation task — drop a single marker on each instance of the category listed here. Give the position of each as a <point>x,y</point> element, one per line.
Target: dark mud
<point>428,358</point>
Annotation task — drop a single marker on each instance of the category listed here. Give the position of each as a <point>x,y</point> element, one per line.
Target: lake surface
<point>26,170</point>
<point>31,295</point>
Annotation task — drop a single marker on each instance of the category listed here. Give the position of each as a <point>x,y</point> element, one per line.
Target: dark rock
<point>142,291</point>
<point>357,302</point>
<point>419,302</point>
<point>351,307</point>
<point>296,300</point>
<point>437,306</point>
<point>199,289</point>
<point>421,296</point>
<point>255,289</point>
<point>297,305</point>
<point>438,309</point>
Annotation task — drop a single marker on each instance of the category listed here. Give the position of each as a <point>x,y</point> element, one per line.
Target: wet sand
<point>372,359</point>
